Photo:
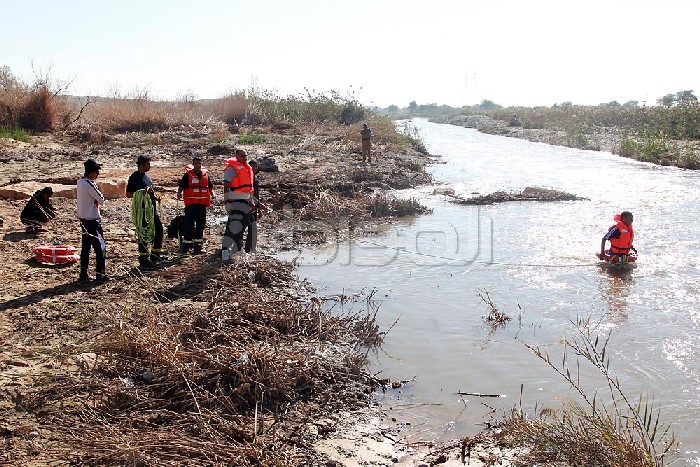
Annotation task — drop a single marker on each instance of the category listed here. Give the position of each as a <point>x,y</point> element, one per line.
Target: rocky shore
<point>604,140</point>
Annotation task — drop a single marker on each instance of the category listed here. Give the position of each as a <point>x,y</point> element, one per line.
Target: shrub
<point>252,138</point>
<point>595,432</point>
<point>38,113</point>
<point>232,108</point>
<point>382,206</point>
<point>138,112</point>
<point>19,134</point>
<point>352,112</point>
<point>26,106</point>
<point>312,107</point>
<point>414,138</point>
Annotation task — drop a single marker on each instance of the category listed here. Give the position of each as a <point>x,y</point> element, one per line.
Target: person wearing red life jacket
<point>238,196</point>
<point>621,238</point>
<point>196,189</point>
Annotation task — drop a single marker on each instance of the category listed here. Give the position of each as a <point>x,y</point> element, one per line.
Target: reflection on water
<point>615,288</point>
<point>536,260</point>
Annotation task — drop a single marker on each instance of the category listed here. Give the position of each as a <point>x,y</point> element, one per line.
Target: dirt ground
<point>130,372</point>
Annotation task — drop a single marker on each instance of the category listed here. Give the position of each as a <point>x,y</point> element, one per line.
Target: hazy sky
<point>386,52</point>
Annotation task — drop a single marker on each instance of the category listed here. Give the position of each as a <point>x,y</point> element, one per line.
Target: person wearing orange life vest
<point>621,238</point>
<point>238,196</point>
<point>196,189</point>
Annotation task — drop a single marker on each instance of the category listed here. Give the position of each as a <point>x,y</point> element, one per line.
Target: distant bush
<point>233,108</point>
<point>352,112</point>
<point>659,150</point>
<point>138,112</point>
<point>22,105</point>
<point>310,108</point>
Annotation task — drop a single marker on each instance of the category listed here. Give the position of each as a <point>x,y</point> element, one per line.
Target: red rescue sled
<point>56,254</point>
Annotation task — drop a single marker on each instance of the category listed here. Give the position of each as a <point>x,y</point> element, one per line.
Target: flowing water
<point>434,275</point>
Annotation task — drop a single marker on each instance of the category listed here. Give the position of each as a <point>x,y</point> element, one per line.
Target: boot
<point>145,263</point>
<point>102,278</point>
<point>84,276</point>
<point>197,249</point>
<point>155,258</point>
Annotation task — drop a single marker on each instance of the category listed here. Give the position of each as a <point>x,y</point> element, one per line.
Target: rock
<point>447,191</point>
<point>87,361</point>
<point>219,150</point>
<point>111,188</point>
<point>267,164</point>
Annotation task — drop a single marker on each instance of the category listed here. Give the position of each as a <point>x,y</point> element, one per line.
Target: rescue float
<point>617,262</point>
<point>56,254</point>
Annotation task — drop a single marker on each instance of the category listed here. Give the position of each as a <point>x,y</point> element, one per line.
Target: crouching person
<point>196,189</point>
<point>238,196</point>
<point>38,210</point>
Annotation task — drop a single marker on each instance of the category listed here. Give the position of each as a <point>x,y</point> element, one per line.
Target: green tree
<point>487,104</point>
<point>412,106</point>
<point>685,98</point>
<point>667,101</point>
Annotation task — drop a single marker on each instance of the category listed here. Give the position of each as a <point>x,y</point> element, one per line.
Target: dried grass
<point>224,367</point>
<point>616,432</point>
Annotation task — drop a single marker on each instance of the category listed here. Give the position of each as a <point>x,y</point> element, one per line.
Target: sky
<point>382,52</point>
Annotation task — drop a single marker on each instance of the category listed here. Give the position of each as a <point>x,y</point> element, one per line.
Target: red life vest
<point>622,244</point>
<point>197,191</point>
<point>243,182</point>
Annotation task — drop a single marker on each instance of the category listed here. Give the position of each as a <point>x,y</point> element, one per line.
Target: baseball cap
<point>91,165</point>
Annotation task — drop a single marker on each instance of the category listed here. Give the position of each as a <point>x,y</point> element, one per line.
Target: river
<point>433,276</point>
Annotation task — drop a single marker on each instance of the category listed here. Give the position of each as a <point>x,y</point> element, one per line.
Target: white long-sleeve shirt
<point>89,198</point>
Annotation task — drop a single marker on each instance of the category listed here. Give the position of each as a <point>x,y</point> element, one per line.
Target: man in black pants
<point>89,199</point>
<point>197,189</point>
<point>150,251</point>
<point>251,239</point>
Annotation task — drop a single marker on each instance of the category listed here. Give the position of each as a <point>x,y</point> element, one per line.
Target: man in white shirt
<point>89,199</point>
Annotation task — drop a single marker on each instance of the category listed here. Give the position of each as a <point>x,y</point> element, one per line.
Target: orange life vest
<point>197,191</point>
<point>622,244</point>
<point>243,182</point>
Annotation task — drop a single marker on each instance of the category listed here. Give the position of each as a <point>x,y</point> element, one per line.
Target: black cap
<point>252,162</point>
<point>91,165</point>
<point>142,160</point>
<point>47,190</point>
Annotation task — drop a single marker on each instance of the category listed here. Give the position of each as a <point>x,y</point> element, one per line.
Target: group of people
<point>241,197</point>
<point>242,201</point>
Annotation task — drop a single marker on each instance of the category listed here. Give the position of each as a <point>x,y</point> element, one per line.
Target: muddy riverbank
<point>197,362</point>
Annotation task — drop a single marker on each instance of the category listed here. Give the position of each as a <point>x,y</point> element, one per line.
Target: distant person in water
<point>621,238</point>
<point>366,134</point>
<point>38,210</point>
